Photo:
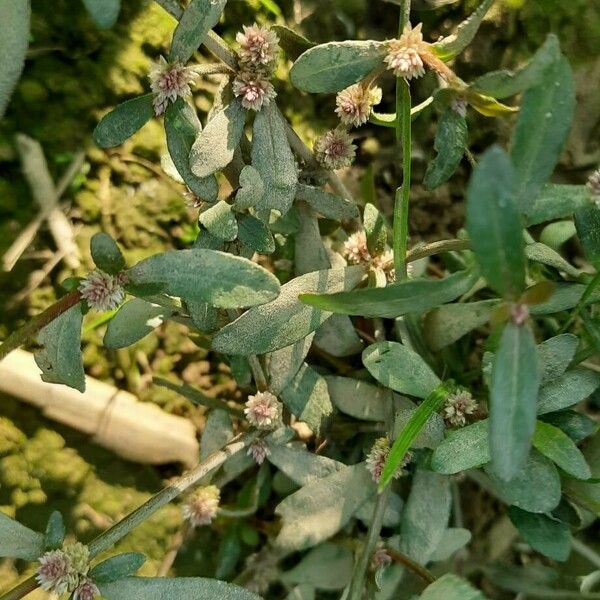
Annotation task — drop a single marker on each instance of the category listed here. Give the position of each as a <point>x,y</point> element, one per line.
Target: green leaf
<point>309,250</point>
<point>334,66</point>
<point>60,355</point>
<point>558,202</point>
<point>587,222</point>
<point>451,587</point>
<point>409,433</point>
<point>338,337</point>
<point>255,234</point>
<point>123,121</point>
<point>513,395</point>
<point>133,322</point>
<point>251,189</point>
<point>569,389</point>
<point>217,432</point>
<point>543,254</point>
<point>219,220</point>
<point>544,534</point>
<point>400,368</point>
<point>272,157</point>
<point>542,129</point>
<point>285,320</point>
<point>230,550</point>
<point>576,425</point>
<point>494,224</point>
<point>117,567</point>
<point>557,234</point>
<point>221,279</point>
<point>14,16</point>
<point>447,324</point>
<point>453,539</point>
<point>180,588</point>
<point>18,541</point>
<point>106,253</point>
<point>215,145</point>
<point>327,567</point>
<point>451,139</point>
<point>376,230</point>
<point>564,297</point>
<point>302,592</point>
<point>301,466</point>
<point>560,449</point>
<point>104,12</point>
<point>555,355</point>
<point>501,84</point>
<point>425,515</point>
<point>523,490</point>
<point>323,507</point>
<point>416,295</point>
<point>182,127</point>
<point>55,531</point>
<point>204,316</point>
<point>587,494</point>
<point>326,204</point>
<point>307,397</point>
<point>283,364</point>
<point>360,399</point>
<point>197,20</point>
<point>463,449</point>
<point>454,44</point>
<point>292,43</point>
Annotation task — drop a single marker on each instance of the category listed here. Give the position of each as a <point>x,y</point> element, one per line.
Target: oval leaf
<point>334,66</point>
<point>463,449</point>
<point>216,143</point>
<point>55,531</point>
<point>106,253</point>
<point>221,279</point>
<point>219,220</point>
<point>400,368</point>
<point>18,541</point>
<point>104,12</point>
<point>513,396</point>
<point>494,224</point>
<point>123,121</point>
<point>285,320</point>
<point>14,16</point>
<point>60,356</point>
<point>117,567</point>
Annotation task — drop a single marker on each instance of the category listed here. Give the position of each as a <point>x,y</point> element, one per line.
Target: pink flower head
<point>169,82</point>
<point>335,149</point>
<point>258,450</point>
<point>254,89</point>
<point>353,104</point>
<point>263,410</point>
<point>458,406</point>
<point>202,507</point>
<point>404,54</point>
<point>103,291</point>
<point>54,571</point>
<point>87,590</point>
<point>258,48</point>
<point>377,457</point>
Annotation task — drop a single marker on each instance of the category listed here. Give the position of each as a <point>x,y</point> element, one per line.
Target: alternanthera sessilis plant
<point>469,366</point>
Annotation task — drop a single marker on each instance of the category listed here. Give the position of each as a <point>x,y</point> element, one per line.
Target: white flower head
<point>381,558</point>
<point>61,571</point>
<point>259,47</point>
<point>53,572</point>
<point>404,54</point>
<point>335,149</point>
<point>378,455</point>
<point>263,410</point>
<point>355,248</point>
<point>258,450</point>
<point>170,81</point>
<point>353,104</point>
<point>103,291</point>
<point>254,89</point>
<point>87,590</point>
<point>593,184</point>
<point>202,507</point>
<point>458,405</point>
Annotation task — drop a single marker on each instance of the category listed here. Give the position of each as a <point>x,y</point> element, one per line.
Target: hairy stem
<point>19,337</point>
<point>111,536</point>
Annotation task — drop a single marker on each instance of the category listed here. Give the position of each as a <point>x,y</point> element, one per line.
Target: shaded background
<point>74,74</point>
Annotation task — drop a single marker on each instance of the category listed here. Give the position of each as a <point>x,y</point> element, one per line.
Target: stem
<point>401,205</point>
<point>586,552</point>
<point>19,337</point>
<point>111,536</point>
<point>360,569</point>
<point>594,283</point>
<point>175,546</point>
<point>409,563</point>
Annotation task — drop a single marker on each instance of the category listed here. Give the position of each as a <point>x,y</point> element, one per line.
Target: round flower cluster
<point>405,55</point>
<point>263,410</point>
<point>65,570</point>
<point>103,291</point>
<point>258,450</point>
<point>170,81</point>
<point>357,252</point>
<point>354,104</point>
<point>257,59</point>
<point>377,457</point>
<point>458,406</point>
<point>335,149</point>
<point>202,507</point>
